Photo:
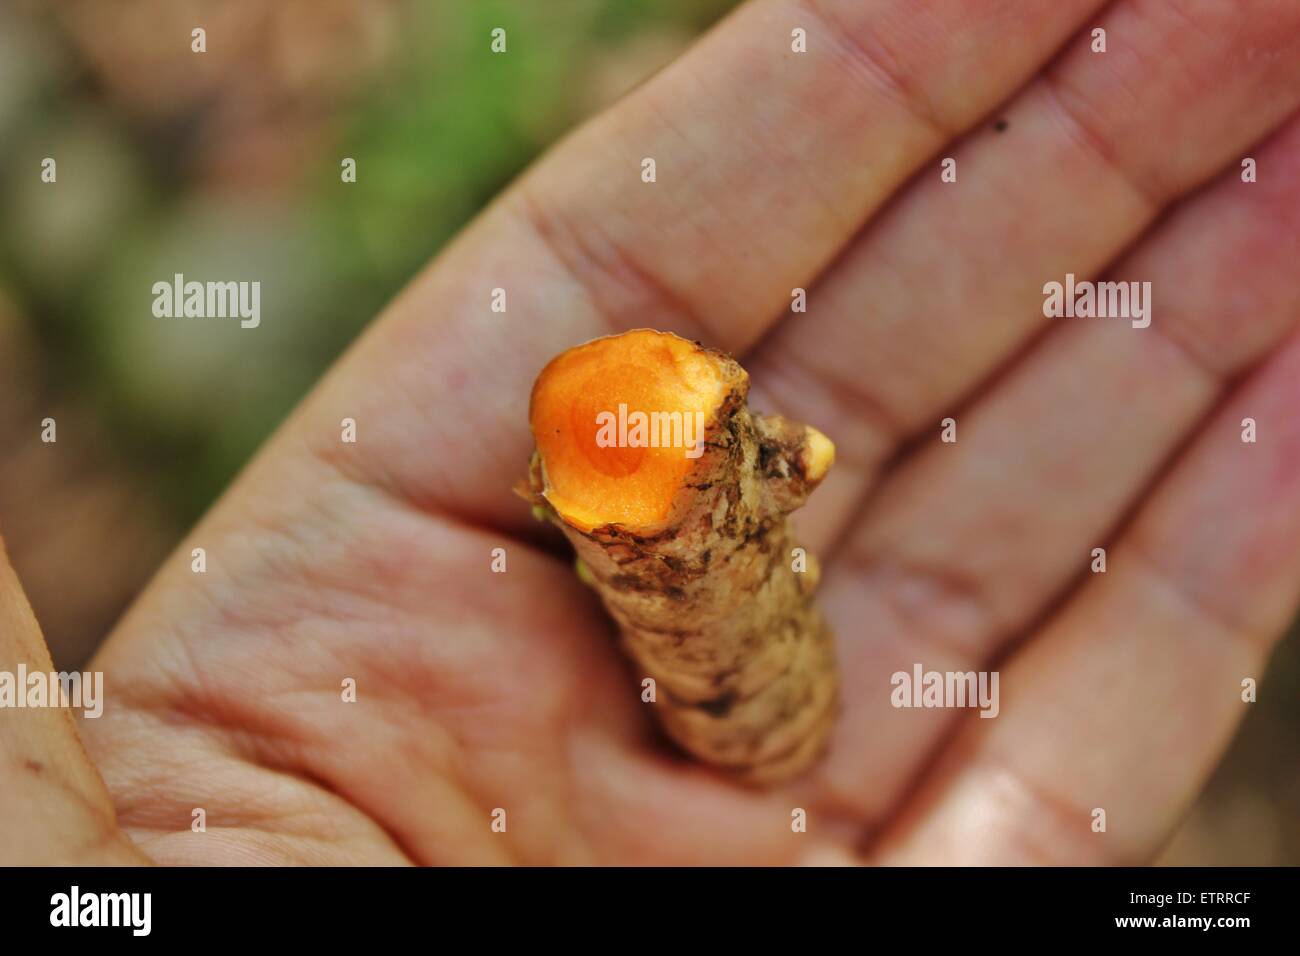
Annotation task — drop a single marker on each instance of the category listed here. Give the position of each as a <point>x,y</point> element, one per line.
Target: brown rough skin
<point>710,606</point>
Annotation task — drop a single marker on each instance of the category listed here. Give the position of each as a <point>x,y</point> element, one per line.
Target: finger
<point>967,543</point>
<point>766,161</point>
<point>947,283</point>
<point>53,806</point>
<point>1128,699</point>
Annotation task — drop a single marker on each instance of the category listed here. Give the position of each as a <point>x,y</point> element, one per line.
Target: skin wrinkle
<point>1064,816</point>
<point>950,594</point>
<point>1084,133</point>
<point>587,269</point>
<point>797,376</point>
<point>243,744</point>
<point>1198,603</point>
<point>100,817</point>
<point>873,60</point>
<point>1200,365</point>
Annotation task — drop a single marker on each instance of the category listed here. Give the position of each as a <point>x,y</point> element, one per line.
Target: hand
<point>774,170</point>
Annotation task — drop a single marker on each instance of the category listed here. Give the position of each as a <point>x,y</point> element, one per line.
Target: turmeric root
<point>675,497</point>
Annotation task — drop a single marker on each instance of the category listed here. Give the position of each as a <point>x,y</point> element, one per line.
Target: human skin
<point>478,690</point>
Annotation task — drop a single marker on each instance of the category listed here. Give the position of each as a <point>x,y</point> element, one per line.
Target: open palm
<point>775,170</point>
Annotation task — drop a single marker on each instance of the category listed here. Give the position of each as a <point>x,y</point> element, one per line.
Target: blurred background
<point>227,165</point>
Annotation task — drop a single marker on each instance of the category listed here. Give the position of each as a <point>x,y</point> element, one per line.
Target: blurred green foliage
<point>437,126</point>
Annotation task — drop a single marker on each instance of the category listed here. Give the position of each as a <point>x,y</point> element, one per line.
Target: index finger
<point>765,161</point>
